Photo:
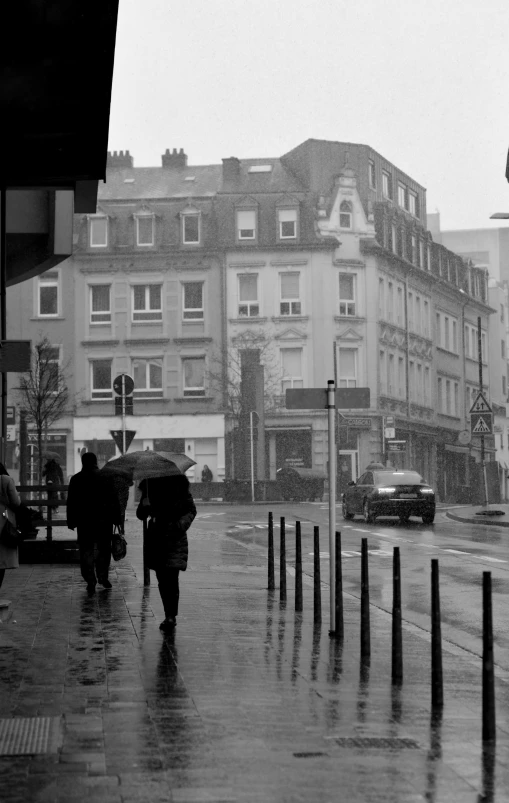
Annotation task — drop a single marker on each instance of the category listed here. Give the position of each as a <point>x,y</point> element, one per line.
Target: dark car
<point>389,492</point>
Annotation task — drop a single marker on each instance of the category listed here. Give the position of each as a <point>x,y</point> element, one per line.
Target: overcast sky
<point>425,83</point>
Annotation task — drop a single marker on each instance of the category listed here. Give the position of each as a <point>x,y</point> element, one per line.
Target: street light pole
<point>483,463</point>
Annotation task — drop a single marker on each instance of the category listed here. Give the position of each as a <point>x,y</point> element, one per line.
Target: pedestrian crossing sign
<point>481,423</point>
<point>480,404</point>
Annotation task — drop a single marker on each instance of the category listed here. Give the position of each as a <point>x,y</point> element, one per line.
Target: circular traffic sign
<point>128,384</point>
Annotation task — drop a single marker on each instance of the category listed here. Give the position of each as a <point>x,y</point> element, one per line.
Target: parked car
<point>301,484</point>
<point>389,492</point>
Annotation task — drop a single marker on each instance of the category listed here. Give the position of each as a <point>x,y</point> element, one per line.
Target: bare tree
<point>43,392</point>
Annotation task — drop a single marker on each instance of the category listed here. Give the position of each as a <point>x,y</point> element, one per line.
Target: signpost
<point>330,398</point>
<point>123,385</point>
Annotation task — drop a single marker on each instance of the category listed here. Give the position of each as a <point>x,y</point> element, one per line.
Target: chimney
<point>231,169</point>
<point>117,161</point>
<point>174,160</point>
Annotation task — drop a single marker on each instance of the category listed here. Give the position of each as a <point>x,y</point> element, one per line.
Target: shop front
<point>288,447</point>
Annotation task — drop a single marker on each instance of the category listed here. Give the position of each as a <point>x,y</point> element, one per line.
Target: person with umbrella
<point>167,504</point>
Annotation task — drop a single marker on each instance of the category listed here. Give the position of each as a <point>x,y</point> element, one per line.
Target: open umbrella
<point>49,455</point>
<point>144,465</point>
<point>182,461</point>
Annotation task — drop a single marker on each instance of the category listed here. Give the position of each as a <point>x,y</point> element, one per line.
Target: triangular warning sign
<point>480,404</point>
<point>482,427</point>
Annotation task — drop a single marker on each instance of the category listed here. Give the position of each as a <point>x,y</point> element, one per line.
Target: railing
<point>29,490</point>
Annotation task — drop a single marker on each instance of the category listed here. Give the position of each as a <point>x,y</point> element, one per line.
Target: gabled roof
<point>160,182</point>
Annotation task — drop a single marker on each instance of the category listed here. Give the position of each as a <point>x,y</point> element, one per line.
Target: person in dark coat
<point>93,508</point>
<point>206,478</point>
<point>53,475</point>
<point>169,507</point>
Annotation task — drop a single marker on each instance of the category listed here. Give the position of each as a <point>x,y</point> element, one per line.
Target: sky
<point>423,82</point>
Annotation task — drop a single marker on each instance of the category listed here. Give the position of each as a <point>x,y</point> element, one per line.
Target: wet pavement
<point>248,701</point>
<point>494,514</point>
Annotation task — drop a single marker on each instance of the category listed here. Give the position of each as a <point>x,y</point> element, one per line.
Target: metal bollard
<point>317,590</point>
<point>365,631</point>
<point>271,578</point>
<point>340,626</point>
<point>298,567</point>
<point>397,635</point>
<point>488,670</point>
<point>437,680</point>
<point>282,561</point>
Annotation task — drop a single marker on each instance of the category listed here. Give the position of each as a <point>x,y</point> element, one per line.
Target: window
<point>98,227</point>
<point>144,230</point>
<point>427,385</point>
<point>425,319</point>
<point>48,294</point>
<point>417,316</point>
<point>290,294</point>
<point>345,215</point>
<point>386,184</point>
<point>483,346</point>
<point>447,343</point>
<point>246,224</point>
<point>191,229</point>
<point>504,385</point>
<point>401,311</point>
<point>428,262</point>
<point>147,302</point>
<point>455,337</point>
<point>391,389</point>
<point>447,332</point>
<point>419,390</point>
<point>347,282</point>
<point>287,224</point>
<point>291,367</point>
<point>412,203</point>
<point>50,368</point>
<point>347,368</point>
<point>401,378</point>
<point>410,312</point>
<point>411,379</point>
<point>100,303</point>
<point>193,369</point>
<point>448,408</point>
<point>148,378</point>
<point>421,254</point>
<point>371,174</point>
<point>394,234</point>
<point>390,301</point>
<point>383,373</point>
<point>101,381</point>
<point>381,298</point>
<point>455,399</point>
<point>413,256</point>
<point>402,196</point>
<point>192,307</point>
<point>248,296</point>
<point>502,346</point>
<point>439,395</point>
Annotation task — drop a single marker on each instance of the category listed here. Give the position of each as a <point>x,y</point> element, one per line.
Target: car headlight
<point>386,490</point>
<point>427,491</point>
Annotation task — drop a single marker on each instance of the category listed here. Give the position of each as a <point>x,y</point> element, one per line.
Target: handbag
<point>10,535</point>
<point>118,544</point>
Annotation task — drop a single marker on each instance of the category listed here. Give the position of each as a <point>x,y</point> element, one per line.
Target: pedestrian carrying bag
<point>118,544</point>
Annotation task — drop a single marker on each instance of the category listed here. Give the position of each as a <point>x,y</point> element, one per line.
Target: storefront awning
<point>450,447</point>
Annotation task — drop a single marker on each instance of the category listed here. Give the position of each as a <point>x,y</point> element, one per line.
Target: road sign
<point>358,422</point>
<point>316,399</point>
<point>128,384</point>
<point>117,435</point>
<point>389,432</point>
<point>396,446</point>
<point>11,432</point>
<point>480,404</point>
<point>15,356</point>
<point>481,423</point>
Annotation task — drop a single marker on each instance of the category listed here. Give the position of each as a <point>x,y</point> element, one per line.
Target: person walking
<point>53,475</point>
<point>168,504</point>
<point>9,498</point>
<point>206,478</point>
<point>93,508</point>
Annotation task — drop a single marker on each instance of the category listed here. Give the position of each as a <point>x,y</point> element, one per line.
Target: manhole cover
<point>309,755</point>
<point>26,736</point>
<point>391,742</point>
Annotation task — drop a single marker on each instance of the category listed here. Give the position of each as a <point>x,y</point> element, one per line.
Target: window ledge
<point>97,401</point>
<point>190,339</point>
<point>155,322</point>
<point>145,341</point>
<point>110,341</point>
<point>184,399</point>
<point>248,320</point>
<point>355,318</point>
<point>286,318</point>
<point>48,318</point>
<point>447,351</point>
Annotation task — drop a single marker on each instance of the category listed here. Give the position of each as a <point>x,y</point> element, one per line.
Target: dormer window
<point>144,230</point>
<point>98,231</point>
<point>287,219</point>
<point>191,229</point>
<point>246,224</point>
<point>345,215</point>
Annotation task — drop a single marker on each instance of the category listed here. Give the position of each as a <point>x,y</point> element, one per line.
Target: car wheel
<point>346,513</point>
<point>369,516</point>
<point>404,518</point>
<point>429,518</point>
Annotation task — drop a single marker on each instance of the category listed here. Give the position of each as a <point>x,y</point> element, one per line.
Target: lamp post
<point>251,445</point>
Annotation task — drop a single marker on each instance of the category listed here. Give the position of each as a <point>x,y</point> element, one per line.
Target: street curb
<point>489,522</point>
